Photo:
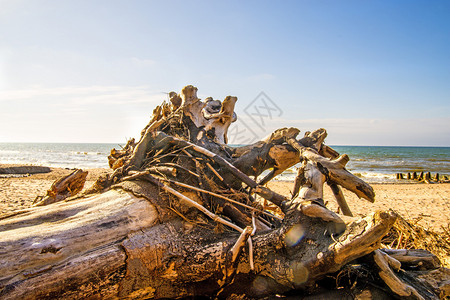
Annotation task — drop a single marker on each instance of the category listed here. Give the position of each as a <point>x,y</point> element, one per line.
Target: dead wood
<point>182,216</point>
<point>340,199</point>
<point>12,169</point>
<point>63,188</point>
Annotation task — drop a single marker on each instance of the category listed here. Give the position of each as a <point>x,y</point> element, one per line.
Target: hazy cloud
<point>84,113</point>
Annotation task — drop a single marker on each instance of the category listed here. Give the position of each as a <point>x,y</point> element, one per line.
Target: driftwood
<point>183,215</point>
<point>63,188</point>
<point>15,170</point>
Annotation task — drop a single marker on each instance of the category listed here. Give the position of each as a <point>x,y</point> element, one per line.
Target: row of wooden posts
<point>423,177</point>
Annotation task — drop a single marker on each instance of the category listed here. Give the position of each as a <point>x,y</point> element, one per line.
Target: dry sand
<point>429,202</point>
<point>19,192</point>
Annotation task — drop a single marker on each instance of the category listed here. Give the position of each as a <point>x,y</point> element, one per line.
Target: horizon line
<point>232,145</point>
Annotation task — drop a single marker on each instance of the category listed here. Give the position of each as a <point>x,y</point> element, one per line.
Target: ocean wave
<point>9,152</point>
<point>374,177</point>
<point>439,160</point>
<point>86,153</point>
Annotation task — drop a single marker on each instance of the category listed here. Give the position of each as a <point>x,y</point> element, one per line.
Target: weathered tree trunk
<point>70,248</point>
<point>181,216</point>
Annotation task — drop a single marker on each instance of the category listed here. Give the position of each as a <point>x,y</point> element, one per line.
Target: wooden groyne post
<point>425,177</point>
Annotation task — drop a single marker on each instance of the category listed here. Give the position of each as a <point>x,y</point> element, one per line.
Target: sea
<point>374,164</point>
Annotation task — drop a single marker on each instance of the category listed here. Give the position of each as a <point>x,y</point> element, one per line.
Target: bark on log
<point>70,249</point>
<point>179,218</point>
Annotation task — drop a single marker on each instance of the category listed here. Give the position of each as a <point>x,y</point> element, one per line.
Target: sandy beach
<point>19,192</point>
<point>428,203</point>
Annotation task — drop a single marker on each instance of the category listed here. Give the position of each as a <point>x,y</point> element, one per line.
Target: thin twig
<point>214,171</point>
<point>245,234</point>
<point>250,243</point>
<point>250,253</point>
<point>192,203</point>
<point>262,191</point>
<point>187,153</point>
<point>219,196</point>
<point>181,215</point>
<point>135,175</point>
<point>253,223</point>
<point>267,222</point>
<point>158,152</point>
<point>181,167</point>
<point>167,154</point>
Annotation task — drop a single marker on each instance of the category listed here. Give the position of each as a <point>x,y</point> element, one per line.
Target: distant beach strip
<point>374,164</point>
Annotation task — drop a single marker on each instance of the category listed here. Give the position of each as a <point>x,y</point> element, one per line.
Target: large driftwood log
<point>181,216</point>
<point>115,244</point>
<point>53,249</point>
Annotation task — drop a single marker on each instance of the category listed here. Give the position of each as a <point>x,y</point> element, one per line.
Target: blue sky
<point>370,72</point>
